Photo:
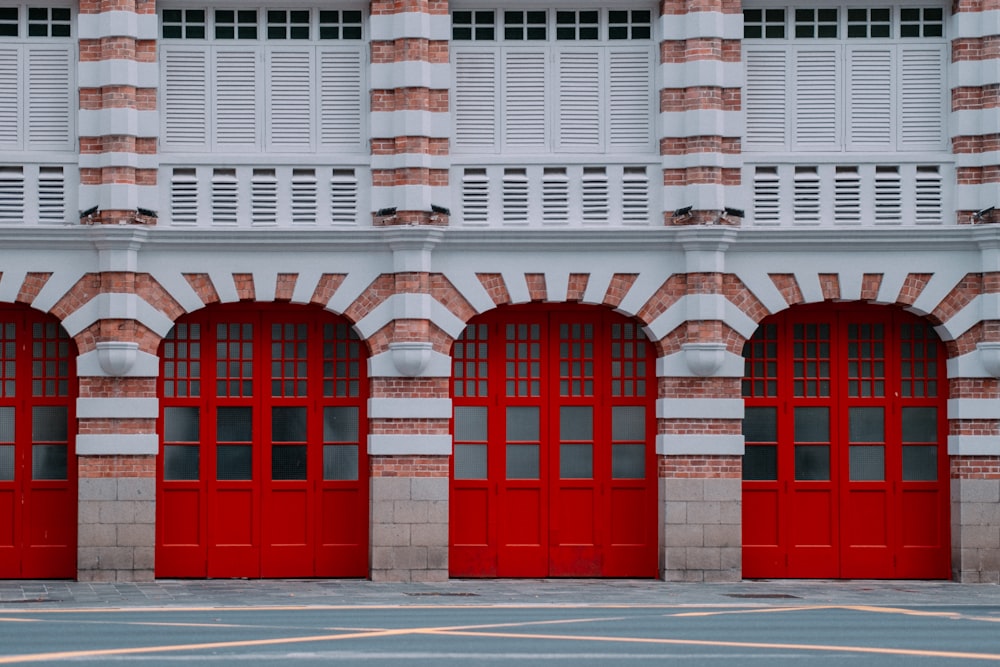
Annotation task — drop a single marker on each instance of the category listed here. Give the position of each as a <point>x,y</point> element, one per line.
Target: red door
<point>846,468</point>
<point>554,468</point>
<point>262,470</point>
<point>38,487</point>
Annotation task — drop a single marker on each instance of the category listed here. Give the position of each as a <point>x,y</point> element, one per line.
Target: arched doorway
<point>38,474</point>
<point>262,470</point>
<point>554,467</point>
<point>846,466</point>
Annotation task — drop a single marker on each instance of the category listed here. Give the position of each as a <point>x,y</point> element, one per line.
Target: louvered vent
<point>888,195</point>
<point>635,195</point>
<point>475,99</point>
<point>290,112</point>
<point>185,97</point>
<point>524,88</point>
<point>807,195</point>
<point>184,197</point>
<point>929,194</point>
<point>341,95</point>
<point>766,196</point>
<point>922,98</point>
<point>224,197</point>
<point>816,99</point>
<point>595,195</point>
<point>11,194</point>
<point>344,197</point>
<point>847,195</point>
<point>235,98</point>
<point>475,196</point>
<point>304,190</point>
<point>10,97</point>
<point>515,196</point>
<point>555,196</point>
<point>579,120</point>
<point>51,195</point>
<point>766,99</point>
<point>264,197</point>
<point>870,102</point>
<point>50,100</point>
<point>629,118</point>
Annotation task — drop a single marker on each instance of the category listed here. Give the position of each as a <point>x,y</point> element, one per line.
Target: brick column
<point>118,121</point>
<point>700,92</point>
<point>410,123</point>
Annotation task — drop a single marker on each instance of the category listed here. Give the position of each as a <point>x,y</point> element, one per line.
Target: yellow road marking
<point>864,608</point>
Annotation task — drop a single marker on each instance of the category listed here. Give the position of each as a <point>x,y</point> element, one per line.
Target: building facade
<point>414,290</point>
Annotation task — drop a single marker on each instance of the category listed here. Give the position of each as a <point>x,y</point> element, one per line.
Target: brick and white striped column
<point>700,120</point>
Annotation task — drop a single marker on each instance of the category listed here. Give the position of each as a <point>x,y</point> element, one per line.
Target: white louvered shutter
<point>767,99</point>
<point>476,100</point>
<point>185,98</point>
<point>289,99</point>
<point>816,121</point>
<point>630,110</point>
<point>524,106</point>
<point>51,98</point>
<point>870,96</point>
<point>341,100</point>
<point>922,97</point>
<point>237,110</point>
<point>10,98</point>
<point>579,103</point>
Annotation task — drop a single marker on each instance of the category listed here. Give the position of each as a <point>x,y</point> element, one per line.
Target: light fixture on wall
<point>984,215</point>
<point>683,213</point>
<point>729,212</point>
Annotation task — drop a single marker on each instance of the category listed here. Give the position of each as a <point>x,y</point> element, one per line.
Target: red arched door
<point>262,469</point>
<point>846,466</point>
<point>38,476</point>
<point>554,468</point>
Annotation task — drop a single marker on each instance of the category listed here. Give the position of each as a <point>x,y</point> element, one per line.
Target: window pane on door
<point>576,423</point>
<point>866,424</point>
<point>470,424</point>
<point>181,424</point>
<point>340,462</point>
<point>760,463</point>
<point>812,424</point>
<point>288,424</point>
<point>6,424</point>
<point>181,463</point>
<point>6,463</point>
<point>576,461</point>
<point>920,424</point>
<point>760,424</point>
<point>340,424</point>
<point>234,424</point>
<point>234,463</point>
<point>628,422</point>
<point>288,462</point>
<point>48,462</point>
<point>522,462</point>
<point>49,423</point>
<point>867,463</point>
<point>628,461</point>
<point>920,463</point>
<point>470,462</point>
<point>523,423</point>
<point>812,463</point>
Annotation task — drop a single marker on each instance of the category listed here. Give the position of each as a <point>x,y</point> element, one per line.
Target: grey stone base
<point>975,530</point>
<point>701,530</point>
<point>116,534</point>
<point>409,529</point>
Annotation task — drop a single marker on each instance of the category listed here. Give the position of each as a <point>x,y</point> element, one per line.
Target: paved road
<point>486,623</point>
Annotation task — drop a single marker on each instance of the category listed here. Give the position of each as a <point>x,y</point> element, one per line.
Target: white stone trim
<point>699,445</point>
<point>974,73</point>
<point>468,285</point>
<point>409,408</point>
<point>118,72</point>
<point>410,197</point>
<point>179,289</point>
<point>409,123</point>
<point>973,445</point>
<point>10,284</point>
<point>937,289</point>
<point>675,365</point>
<point>699,408</point>
<point>146,365</point>
<point>117,306</point>
<point>114,444</point>
<point>410,25</point>
<point>411,161</point>
<point>383,365</point>
<point>353,286</point>
<point>702,159</point>
<point>968,365</point>
<point>975,24</point>
<point>974,121</point>
<point>701,24</point>
<point>974,408</point>
<point>117,408</point>
<point>55,288</point>
<point>701,122</point>
<point>410,307</point>
<point>134,160</point>
<point>118,24</point>
<point>987,158</point>
<point>117,196</point>
<point>701,196</point>
<point>132,122</point>
<point>409,445</point>
<point>410,74</point>
<point>972,197</point>
<point>642,290</point>
<point>696,73</point>
<point>701,307</point>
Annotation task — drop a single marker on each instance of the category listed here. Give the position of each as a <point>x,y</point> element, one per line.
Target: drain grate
<point>763,596</point>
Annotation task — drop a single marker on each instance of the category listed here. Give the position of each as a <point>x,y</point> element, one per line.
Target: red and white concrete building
<point>414,290</point>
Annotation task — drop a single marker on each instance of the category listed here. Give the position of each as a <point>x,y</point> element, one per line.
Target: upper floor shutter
<point>341,100</point>
<point>767,99</point>
<point>10,98</point>
<point>236,118</point>
<point>289,99</point>
<point>870,94</point>
<point>524,92</point>
<point>816,124</point>
<point>50,98</point>
<point>185,97</point>
<point>475,100</point>
<point>579,103</point>
<point>630,110</point>
<point>922,97</point>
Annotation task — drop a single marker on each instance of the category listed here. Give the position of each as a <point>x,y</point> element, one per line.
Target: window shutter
<point>630,114</point>
<point>922,100</point>
<point>869,98</point>
<point>289,99</point>
<point>341,100</point>
<point>185,98</point>
<point>475,99</point>
<point>766,100</point>
<point>524,111</point>
<point>817,86</point>
<point>10,99</point>
<point>236,108</point>
<point>579,100</point>
<point>51,98</point>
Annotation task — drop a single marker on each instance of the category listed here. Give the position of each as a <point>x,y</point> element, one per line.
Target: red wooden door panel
<point>845,474</point>
<point>554,469</point>
<point>260,471</point>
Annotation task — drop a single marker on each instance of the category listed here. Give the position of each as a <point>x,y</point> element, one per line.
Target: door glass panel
<point>522,461</point>
<point>576,461</point>
<point>760,463</point>
<point>812,424</point>
<point>6,463</point>
<point>628,461</point>
<point>812,463</point>
<point>920,424</point>
<point>340,462</point>
<point>288,424</point>
<point>920,463</point>
<point>48,462</point>
<point>523,423</point>
<point>867,463</point>
<point>628,422</point>
<point>288,462</point>
<point>234,424</point>
<point>760,424</point>
<point>470,462</point>
<point>233,463</point>
<point>49,423</point>
<point>181,463</point>
<point>470,424</point>
<point>866,425</point>
<point>576,423</point>
<point>181,424</point>
<point>6,424</point>
<point>340,424</point>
